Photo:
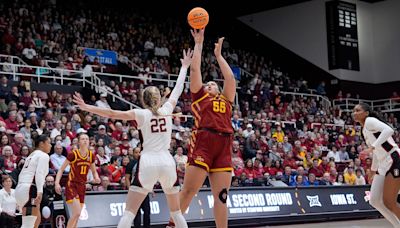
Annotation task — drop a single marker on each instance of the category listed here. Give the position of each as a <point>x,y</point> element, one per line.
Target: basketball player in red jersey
<point>212,136</point>
<point>80,161</point>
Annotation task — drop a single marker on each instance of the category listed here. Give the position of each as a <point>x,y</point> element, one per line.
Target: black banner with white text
<point>106,208</point>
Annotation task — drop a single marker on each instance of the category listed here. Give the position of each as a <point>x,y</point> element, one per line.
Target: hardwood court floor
<point>369,223</point>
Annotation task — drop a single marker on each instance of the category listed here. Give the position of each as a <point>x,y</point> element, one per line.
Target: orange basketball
<point>198,18</point>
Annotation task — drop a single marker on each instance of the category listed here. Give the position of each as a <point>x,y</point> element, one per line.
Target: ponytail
<point>372,113</point>
<point>40,138</point>
<point>150,97</point>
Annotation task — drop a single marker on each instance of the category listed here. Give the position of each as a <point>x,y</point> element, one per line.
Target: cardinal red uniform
<point>211,142</point>
<point>76,185</point>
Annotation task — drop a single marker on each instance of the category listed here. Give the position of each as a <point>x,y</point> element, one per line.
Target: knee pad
<point>223,195</point>
<point>28,221</point>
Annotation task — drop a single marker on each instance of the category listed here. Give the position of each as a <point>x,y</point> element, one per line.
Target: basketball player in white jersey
<point>386,162</point>
<point>155,163</point>
<point>29,190</point>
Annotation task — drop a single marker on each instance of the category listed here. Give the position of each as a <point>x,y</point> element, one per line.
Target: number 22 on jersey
<point>158,125</point>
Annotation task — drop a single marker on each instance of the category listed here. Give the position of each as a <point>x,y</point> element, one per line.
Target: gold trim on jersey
<point>195,112</point>
<point>225,98</point>
<point>87,155</point>
<point>221,169</point>
<point>76,157</point>
<point>202,164</point>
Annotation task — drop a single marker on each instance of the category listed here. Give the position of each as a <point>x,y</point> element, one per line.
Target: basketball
<point>198,18</point>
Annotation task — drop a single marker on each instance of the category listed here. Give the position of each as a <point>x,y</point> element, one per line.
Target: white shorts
<point>153,167</point>
<point>25,194</point>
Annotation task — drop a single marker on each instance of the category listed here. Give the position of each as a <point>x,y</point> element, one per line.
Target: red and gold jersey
<point>79,166</point>
<point>213,112</point>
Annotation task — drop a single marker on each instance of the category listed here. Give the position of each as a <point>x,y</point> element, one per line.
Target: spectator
<point>249,131</point>
<point>10,160</point>
<point>105,184</point>
<point>42,128</point>
<point>57,159</point>
<point>349,176</point>
<point>251,146</point>
<point>236,123</point>
<point>101,157</point>
<point>326,179</point>
<point>134,134</point>
<point>287,176</point>
<point>279,134</point>
<point>36,101</point>
<point>299,181</point>
<point>26,132</point>
<point>56,130</point>
<point>11,121</point>
<point>312,180</point>
<point>360,180</point>
<point>334,154</point>
<point>235,181</point>
<point>316,169</point>
<point>115,170</point>
<point>102,134</point>
<point>50,195</point>
<point>180,157</point>
<point>344,156</point>
<point>321,89</point>
<point>339,180</point>
<point>287,147</point>
<point>8,204</point>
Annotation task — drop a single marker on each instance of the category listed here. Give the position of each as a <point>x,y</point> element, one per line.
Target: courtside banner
<point>106,208</point>
<point>104,56</point>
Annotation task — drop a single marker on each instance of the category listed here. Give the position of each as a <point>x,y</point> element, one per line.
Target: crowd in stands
<point>297,140</point>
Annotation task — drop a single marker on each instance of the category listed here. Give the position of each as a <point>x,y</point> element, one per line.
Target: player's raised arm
<point>104,112</point>
<point>180,82</point>
<point>195,69</point>
<point>229,89</point>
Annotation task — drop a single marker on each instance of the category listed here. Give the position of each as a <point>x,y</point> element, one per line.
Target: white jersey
<point>36,168</point>
<point>156,130</point>
<point>379,135</point>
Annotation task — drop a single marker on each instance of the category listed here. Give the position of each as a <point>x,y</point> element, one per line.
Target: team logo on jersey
<point>200,158</point>
<point>367,196</point>
<point>84,213</point>
<point>314,201</point>
<point>396,172</point>
<point>60,221</point>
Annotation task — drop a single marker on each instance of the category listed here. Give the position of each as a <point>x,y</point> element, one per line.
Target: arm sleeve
<point>168,107</point>
<point>41,172</point>
<point>180,82</point>
<point>373,124</point>
<point>140,116</point>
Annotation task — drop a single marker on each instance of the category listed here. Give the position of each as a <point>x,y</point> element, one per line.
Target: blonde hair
<point>150,98</point>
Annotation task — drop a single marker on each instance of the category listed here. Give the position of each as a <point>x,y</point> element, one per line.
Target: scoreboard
<point>341,20</point>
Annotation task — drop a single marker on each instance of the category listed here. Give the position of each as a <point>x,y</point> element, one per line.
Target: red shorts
<point>75,190</point>
<point>211,151</point>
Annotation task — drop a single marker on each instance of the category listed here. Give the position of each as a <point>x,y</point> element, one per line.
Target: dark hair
<point>113,159</point>
<point>372,113</point>
<point>39,139</point>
